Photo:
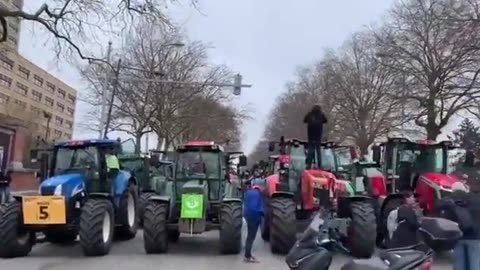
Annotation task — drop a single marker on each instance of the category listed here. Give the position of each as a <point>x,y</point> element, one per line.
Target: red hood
<point>441,179</point>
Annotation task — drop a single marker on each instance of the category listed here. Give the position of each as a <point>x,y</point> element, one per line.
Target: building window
<point>23,72</point>
<point>37,80</point>
<point>49,101</point>
<point>20,104</point>
<point>61,93</point>
<point>67,136</point>
<point>70,112</point>
<point>5,81</point>
<point>22,89</point>
<point>58,120</point>
<point>37,96</point>
<point>50,87</point>
<point>4,98</point>
<point>6,63</point>
<point>71,98</point>
<point>60,107</point>
<point>18,4</point>
<point>35,110</point>
<point>69,124</point>
<point>58,133</point>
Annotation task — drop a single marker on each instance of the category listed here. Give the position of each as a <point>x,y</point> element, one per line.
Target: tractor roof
<point>304,142</point>
<point>432,143</point>
<point>94,142</point>
<point>206,145</point>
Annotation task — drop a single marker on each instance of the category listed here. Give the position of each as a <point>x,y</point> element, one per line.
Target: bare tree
<point>364,92</point>
<point>169,109</point>
<point>438,55</point>
<point>212,120</point>
<point>75,24</point>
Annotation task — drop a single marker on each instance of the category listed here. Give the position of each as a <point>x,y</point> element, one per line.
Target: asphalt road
<point>191,253</point>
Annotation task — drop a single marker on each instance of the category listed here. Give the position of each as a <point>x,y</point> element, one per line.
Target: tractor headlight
<point>58,190</point>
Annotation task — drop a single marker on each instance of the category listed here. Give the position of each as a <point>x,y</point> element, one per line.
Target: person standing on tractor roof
<point>253,213</point>
<point>315,119</point>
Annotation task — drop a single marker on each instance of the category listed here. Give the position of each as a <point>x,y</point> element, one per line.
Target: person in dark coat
<point>464,209</point>
<point>405,234</point>
<point>315,119</point>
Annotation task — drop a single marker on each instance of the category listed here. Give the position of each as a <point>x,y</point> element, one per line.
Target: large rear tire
<point>283,225</point>
<point>363,229</point>
<point>155,234</point>
<point>142,202</point>
<point>96,227</point>
<point>382,232</point>
<point>231,228</point>
<point>127,214</point>
<point>14,241</point>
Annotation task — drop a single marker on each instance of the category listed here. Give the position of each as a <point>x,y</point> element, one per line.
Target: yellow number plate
<point>44,210</point>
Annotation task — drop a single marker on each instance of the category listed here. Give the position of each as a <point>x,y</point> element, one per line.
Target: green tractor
<point>152,176</point>
<point>201,197</point>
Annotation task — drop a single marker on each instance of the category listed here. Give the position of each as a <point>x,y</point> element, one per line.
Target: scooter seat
<point>386,260</point>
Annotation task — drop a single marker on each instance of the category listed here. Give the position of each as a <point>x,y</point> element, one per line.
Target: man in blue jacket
<point>252,212</point>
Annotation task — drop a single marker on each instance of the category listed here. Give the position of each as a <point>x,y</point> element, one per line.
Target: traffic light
<point>237,85</point>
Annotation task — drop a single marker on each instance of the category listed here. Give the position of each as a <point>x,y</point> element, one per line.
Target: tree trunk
<point>138,143</point>
<point>432,132</point>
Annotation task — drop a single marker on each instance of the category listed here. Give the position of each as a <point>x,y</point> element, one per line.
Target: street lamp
<point>48,116</point>
<point>106,112</point>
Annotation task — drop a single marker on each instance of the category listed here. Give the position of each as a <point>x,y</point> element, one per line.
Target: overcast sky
<point>264,40</point>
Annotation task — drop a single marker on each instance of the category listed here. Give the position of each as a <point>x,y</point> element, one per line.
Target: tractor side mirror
<point>154,160</point>
<point>271,146</point>
<point>376,153</point>
<point>242,161</point>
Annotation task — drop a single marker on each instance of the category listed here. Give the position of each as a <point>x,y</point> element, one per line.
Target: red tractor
<point>419,166</point>
<point>293,193</point>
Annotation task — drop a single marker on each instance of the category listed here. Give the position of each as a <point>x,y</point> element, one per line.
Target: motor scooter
<point>314,250</point>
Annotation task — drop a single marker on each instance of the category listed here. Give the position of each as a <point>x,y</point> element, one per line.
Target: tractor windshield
<point>73,159</point>
<point>423,159</point>
<point>430,159</point>
<point>198,164</point>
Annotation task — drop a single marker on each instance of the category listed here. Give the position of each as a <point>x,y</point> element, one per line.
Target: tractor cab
<point>420,166</point>
<point>273,165</point>
<point>83,161</point>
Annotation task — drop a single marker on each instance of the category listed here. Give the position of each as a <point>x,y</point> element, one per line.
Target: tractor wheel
<point>142,202</point>
<point>231,228</point>
<point>155,234</point>
<point>96,227</point>
<point>363,229</point>
<point>382,232</point>
<point>14,241</point>
<point>61,236</point>
<point>127,214</point>
<point>283,225</point>
<point>173,236</point>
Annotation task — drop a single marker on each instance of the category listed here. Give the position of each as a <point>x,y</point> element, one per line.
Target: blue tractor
<point>80,197</point>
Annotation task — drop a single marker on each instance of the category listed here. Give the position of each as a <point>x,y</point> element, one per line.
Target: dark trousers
<point>314,150</point>
<point>252,229</point>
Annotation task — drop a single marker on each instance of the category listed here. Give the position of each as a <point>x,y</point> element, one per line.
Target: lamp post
<point>48,116</point>
<point>106,121</point>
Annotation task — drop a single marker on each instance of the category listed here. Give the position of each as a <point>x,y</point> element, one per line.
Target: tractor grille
<point>48,190</point>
